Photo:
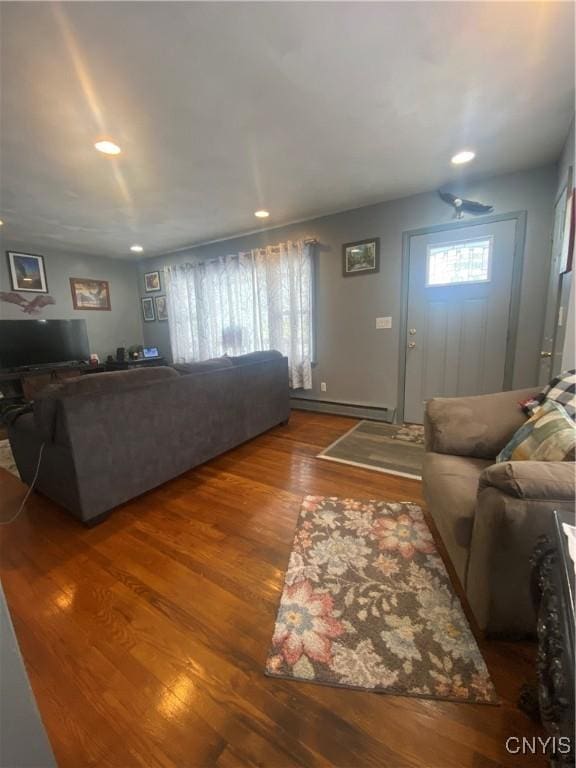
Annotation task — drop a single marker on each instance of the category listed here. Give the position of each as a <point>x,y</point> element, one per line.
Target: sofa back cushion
<point>203,366</point>
<point>46,403</point>
<point>256,357</point>
<point>479,425</point>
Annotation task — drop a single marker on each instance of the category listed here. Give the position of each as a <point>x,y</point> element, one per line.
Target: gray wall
<point>106,330</point>
<point>358,362</point>
<point>23,740</point>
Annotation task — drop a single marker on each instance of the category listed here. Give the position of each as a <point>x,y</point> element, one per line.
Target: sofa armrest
<point>547,480</point>
<point>478,426</point>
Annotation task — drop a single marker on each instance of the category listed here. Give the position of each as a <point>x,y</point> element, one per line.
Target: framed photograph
<point>152,281</point>
<point>148,309</point>
<point>161,308</point>
<point>90,294</point>
<point>361,258</point>
<point>27,273</point>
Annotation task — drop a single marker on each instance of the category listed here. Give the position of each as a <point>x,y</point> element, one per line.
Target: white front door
<point>459,292</point>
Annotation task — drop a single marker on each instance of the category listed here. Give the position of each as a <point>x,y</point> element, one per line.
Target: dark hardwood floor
<point>145,638</point>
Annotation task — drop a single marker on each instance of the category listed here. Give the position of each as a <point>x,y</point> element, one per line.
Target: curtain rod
<point>305,240</point>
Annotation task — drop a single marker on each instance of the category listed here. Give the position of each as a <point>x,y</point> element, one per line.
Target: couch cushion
<point>562,390</point>
<point>450,489</point>
<point>112,381</point>
<point>479,425</point>
<point>46,403</point>
<point>23,421</point>
<point>548,435</point>
<point>203,366</point>
<point>551,480</point>
<point>256,357</point>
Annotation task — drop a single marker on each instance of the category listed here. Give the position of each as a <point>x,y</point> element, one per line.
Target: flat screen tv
<point>30,343</point>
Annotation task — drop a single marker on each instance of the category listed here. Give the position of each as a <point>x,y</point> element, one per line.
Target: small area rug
<point>397,449</point>
<point>367,603</point>
<point>7,459</point>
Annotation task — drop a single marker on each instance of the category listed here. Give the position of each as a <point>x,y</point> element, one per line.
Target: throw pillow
<point>549,435</point>
<point>562,389</point>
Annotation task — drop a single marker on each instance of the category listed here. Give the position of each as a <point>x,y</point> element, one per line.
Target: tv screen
<point>28,343</point>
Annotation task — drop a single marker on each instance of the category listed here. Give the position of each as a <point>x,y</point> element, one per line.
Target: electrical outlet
<point>323,386</point>
<point>383,322</point>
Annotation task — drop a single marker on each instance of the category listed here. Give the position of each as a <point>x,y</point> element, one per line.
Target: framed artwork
<point>90,294</point>
<point>161,308</point>
<point>148,309</point>
<point>27,272</point>
<point>361,258</point>
<point>152,281</point>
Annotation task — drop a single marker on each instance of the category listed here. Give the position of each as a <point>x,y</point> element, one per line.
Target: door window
<point>466,261</point>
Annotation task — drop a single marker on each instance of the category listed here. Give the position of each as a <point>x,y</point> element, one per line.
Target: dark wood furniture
<point>124,365</point>
<point>553,587</point>
<point>25,383</point>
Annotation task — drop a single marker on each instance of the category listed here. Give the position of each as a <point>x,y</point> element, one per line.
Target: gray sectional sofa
<point>490,515</point>
<point>109,437</point>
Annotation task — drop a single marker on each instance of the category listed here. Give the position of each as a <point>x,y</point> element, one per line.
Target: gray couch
<point>490,515</point>
<point>112,436</point>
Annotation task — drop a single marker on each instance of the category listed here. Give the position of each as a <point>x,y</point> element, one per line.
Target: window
<point>257,300</point>
<point>467,261</point>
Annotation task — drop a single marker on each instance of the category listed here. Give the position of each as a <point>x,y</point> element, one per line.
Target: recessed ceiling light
<point>463,157</point>
<point>136,248</point>
<point>107,147</point>
<point>262,214</point>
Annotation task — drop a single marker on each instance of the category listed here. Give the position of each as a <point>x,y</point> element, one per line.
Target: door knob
<point>411,345</point>
<point>545,354</point>
<point>412,331</point>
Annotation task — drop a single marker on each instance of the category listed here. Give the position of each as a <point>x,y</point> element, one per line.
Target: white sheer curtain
<point>246,302</point>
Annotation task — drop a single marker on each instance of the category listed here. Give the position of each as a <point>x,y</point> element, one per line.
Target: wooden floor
<point>145,638</point>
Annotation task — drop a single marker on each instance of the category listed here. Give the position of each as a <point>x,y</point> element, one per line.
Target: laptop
<point>150,353</point>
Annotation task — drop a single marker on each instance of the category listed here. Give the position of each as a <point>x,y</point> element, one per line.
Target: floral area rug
<point>367,603</point>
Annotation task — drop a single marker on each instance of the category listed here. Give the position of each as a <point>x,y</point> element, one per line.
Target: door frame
<point>517,265</point>
<point>554,302</point>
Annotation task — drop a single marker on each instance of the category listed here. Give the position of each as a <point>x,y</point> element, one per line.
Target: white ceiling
<point>224,108</point>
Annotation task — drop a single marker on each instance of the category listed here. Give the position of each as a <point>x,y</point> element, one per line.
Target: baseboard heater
<point>373,412</point>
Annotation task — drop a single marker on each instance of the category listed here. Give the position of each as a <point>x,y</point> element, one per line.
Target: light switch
<point>383,322</point>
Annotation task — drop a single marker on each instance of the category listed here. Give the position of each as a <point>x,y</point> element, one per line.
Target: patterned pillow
<point>562,389</point>
<point>549,435</point>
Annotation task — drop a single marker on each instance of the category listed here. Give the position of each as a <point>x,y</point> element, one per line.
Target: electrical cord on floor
<point>28,492</point>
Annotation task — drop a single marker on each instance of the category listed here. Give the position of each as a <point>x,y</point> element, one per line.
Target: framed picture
<point>161,308</point>
<point>152,281</point>
<point>361,258</point>
<point>90,294</point>
<point>148,309</point>
<point>27,272</point>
